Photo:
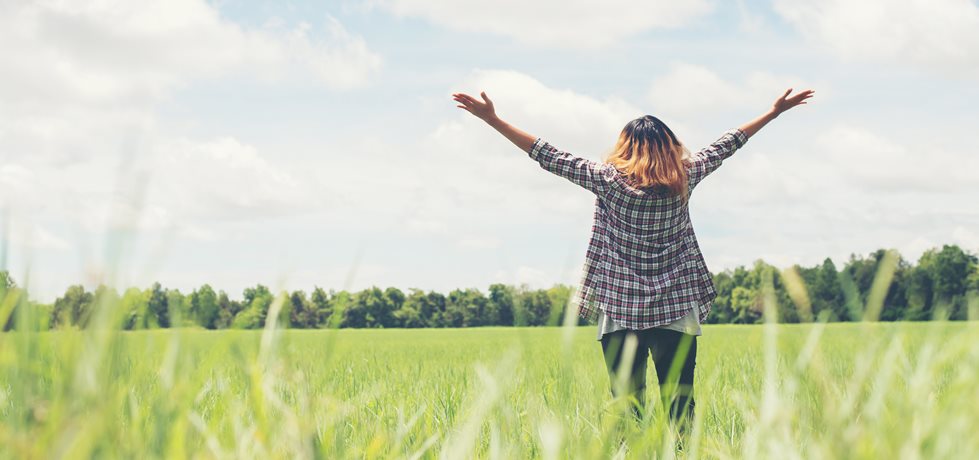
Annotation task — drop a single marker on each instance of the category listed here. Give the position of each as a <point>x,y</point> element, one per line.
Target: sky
<point>301,144</point>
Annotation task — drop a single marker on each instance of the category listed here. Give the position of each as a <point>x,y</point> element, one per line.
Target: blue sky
<point>315,143</point>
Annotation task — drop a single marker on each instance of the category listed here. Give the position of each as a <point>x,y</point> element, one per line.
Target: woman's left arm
<point>586,173</point>
<point>783,103</point>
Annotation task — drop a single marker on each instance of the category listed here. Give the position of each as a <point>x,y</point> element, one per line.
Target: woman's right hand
<point>786,102</point>
<point>484,110</point>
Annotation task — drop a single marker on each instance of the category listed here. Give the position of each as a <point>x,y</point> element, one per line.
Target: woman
<point>645,281</point>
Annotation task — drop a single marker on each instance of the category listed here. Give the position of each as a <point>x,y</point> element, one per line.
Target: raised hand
<point>783,103</point>
<point>786,102</point>
<point>483,110</point>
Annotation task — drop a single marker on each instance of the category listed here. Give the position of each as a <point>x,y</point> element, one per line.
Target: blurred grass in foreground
<point>865,390</point>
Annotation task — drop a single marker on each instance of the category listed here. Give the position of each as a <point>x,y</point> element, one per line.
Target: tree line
<point>882,285</point>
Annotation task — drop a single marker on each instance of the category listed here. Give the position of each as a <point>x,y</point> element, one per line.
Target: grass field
<point>870,390</point>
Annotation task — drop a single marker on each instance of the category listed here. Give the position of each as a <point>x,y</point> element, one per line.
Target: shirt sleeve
<point>591,175</point>
<point>709,158</point>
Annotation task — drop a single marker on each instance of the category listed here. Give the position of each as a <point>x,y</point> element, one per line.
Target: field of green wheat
<point>865,390</point>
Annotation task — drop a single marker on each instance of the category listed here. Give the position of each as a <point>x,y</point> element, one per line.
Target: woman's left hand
<point>787,102</point>
<point>482,110</point>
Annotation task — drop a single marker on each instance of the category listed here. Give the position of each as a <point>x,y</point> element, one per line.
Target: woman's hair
<point>649,155</point>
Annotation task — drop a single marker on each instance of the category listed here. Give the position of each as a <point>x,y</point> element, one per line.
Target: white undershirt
<point>688,324</point>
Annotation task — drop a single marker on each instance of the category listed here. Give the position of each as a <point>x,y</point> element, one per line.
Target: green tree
<point>73,308</point>
<point>857,279</point>
<point>465,308</point>
<point>257,301</point>
<point>501,299</point>
<point>204,307</point>
<point>370,308</point>
<point>409,315</point>
<point>134,305</point>
<point>158,308</point>
<point>826,292</point>
<point>430,308</point>
<point>947,273</point>
<point>416,311</point>
<point>303,313</point>
<point>560,295</point>
<point>179,309</point>
<point>227,309</point>
<point>721,309</point>
<point>8,301</point>
<point>323,304</point>
<point>341,302</point>
<point>105,301</point>
<point>745,305</point>
<point>535,305</point>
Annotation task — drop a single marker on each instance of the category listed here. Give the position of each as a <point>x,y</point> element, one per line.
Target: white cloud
<point>533,277</point>
<point>85,155</point>
<point>465,189</point>
<point>689,90</point>
<point>492,179</point>
<point>478,242</point>
<point>463,176</point>
<point>115,53</point>
<point>30,235</point>
<point>751,22</point>
<point>938,35</point>
<point>342,62</point>
<point>901,164</point>
<point>567,23</point>
<point>968,239</point>
<point>223,178</point>
<point>79,86</point>
<point>846,190</point>
<point>578,121</point>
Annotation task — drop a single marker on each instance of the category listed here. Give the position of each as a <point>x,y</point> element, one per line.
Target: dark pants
<point>674,355</point>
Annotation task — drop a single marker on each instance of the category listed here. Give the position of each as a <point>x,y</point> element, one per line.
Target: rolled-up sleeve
<point>591,175</point>
<point>708,159</point>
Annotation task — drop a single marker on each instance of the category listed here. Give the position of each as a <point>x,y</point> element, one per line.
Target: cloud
<point>119,53</point>
<point>462,186</point>
<point>80,85</point>
<point>222,179</point>
<point>343,61</point>
<point>577,24</point>
<point>848,189</point>
<point>523,275</point>
<point>30,235</point>
<point>688,90</point>
<point>486,172</point>
<point>844,188</point>
<point>941,35</point>
<point>968,239</point>
<point>893,164</point>
<point>479,242</point>
<point>463,173</point>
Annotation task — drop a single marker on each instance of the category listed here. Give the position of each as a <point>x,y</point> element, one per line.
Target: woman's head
<point>649,154</point>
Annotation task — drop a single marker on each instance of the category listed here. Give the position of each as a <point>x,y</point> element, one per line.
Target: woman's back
<point>643,265</point>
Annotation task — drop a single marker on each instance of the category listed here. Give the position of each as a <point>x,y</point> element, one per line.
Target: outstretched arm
<point>709,158</point>
<point>487,112</point>
<point>780,105</point>
<point>589,174</point>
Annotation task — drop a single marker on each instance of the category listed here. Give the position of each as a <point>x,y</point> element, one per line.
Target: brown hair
<point>649,155</point>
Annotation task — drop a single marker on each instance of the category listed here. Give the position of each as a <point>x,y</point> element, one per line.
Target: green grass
<point>871,390</point>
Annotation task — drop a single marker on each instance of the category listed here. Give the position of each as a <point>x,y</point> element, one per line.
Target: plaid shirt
<point>643,266</point>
